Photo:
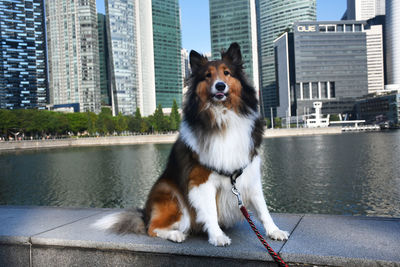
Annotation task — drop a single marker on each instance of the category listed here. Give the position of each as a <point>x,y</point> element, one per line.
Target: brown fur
<point>198,175</point>
<point>163,206</point>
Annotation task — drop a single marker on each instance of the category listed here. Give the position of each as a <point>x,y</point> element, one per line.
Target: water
<point>355,174</point>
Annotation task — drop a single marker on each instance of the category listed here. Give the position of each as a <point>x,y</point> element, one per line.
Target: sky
<point>195,20</point>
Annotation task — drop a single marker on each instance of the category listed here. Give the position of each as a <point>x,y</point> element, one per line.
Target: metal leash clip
<point>237,194</point>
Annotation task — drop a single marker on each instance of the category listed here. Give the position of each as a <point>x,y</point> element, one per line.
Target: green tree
<point>135,122</point>
<point>105,123</point>
<point>91,119</point>
<point>159,120</point>
<point>277,122</point>
<point>77,122</point>
<point>175,117</point>
<point>121,123</point>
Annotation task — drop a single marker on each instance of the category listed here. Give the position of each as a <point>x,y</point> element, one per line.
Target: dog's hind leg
<point>169,218</point>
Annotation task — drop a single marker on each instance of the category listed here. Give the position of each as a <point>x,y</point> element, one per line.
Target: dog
<point>220,135</point>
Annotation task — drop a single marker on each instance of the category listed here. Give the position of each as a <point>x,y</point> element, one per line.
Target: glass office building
<point>274,17</point>
<point>73,53</point>
<point>167,42</point>
<point>103,61</point>
<point>131,57</point>
<point>330,65</point>
<point>392,43</point>
<point>235,21</point>
<point>122,37</point>
<point>23,65</point>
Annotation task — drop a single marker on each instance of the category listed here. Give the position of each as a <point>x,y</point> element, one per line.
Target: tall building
<point>73,53</point>
<point>235,21</point>
<point>147,85</point>
<point>103,61</point>
<point>130,43</point>
<point>375,65</point>
<point>392,43</point>
<point>185,69</point>
<point>167,52</point>
<point>364,9</point>
<point>330,65</point>
<point>23,64</point>
<point>274,17</point>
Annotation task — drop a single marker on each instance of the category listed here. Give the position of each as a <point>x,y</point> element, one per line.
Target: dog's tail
<point>129,221</point>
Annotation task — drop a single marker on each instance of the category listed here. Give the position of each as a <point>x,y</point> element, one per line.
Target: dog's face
<point>217,81</point>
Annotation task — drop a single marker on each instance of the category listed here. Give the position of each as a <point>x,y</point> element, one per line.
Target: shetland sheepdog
<point>220,133</point>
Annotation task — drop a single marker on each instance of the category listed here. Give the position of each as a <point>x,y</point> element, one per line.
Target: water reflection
<point>334,174</point>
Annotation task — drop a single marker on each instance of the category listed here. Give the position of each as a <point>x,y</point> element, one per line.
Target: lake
<point>351,174</point>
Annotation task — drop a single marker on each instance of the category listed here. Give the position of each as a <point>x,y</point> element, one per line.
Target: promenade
<point>42,236</point>
<point>144,139</point>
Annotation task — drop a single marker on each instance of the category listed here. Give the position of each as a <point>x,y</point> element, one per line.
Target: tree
<point>121,123</point>
<point>135,122</point>
<point>159,121</point>
<point>175,117</point>
<point>91,119</point>
<point>105,123</point>
<point>77,122</point>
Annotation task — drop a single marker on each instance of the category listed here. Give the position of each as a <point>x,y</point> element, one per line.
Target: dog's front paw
<point>278,235</point>
<point>220,240</point>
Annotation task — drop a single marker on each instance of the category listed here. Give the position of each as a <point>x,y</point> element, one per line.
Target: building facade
<point>103,61</point>
<point>331,65</point>
<point>23,64</point>
<point>392,43</point>
<point>131,57</point>
<point>73,54</point>
<point>364,9</point>
<point>379,109</point>
<point>235,21</point>
<point>167,52</point>
<point>274,17</point>
<point>123,54</point>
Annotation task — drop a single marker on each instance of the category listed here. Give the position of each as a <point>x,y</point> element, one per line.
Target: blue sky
<point>196,25</point>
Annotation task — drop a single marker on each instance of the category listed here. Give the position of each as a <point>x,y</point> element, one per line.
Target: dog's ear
<point>233,55</point>
<point>196,61</point>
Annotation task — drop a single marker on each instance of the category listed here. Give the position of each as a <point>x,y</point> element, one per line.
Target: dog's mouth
<point>220,96</point>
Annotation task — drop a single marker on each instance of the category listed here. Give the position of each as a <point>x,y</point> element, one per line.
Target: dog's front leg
<point>258,202</point>
<point>203,199</point>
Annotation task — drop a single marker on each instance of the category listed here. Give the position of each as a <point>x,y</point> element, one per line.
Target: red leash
<point>243,209</point>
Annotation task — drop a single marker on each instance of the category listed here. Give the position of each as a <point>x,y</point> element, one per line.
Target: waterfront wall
<point>40,236</point>
<point>144,139</point>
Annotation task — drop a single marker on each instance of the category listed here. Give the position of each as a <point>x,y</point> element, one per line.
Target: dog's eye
<point>208,75</point>
<point>226,73</point>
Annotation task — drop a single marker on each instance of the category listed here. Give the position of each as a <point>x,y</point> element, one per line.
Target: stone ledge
<point>44,236</point>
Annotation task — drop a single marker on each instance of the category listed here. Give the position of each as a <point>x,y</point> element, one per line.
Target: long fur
<point>221,132</point>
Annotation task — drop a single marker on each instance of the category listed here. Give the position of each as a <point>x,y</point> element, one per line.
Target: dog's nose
<point>220,86</point>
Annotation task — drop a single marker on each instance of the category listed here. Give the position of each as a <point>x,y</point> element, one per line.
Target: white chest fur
<point>228,149</point>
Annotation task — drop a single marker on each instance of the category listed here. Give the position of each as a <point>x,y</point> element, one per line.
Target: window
<point>349,27</point>
<point>298,91</point>
<point>339,28</point>
<point>306,91</point>
<point>314,90</point>
<point>357,27</point>
<point>332,89</point>
<point>324,90</point>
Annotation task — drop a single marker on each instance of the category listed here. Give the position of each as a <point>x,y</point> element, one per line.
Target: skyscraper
<point>103,61</point>
<point>392,43</point>
<point>274,17</point>
<point>235,21</point>
<point>130,41</point>
<point>73,53</point>
<point>167,52</point>
<point>364,9</point>
<point>23,66</point>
